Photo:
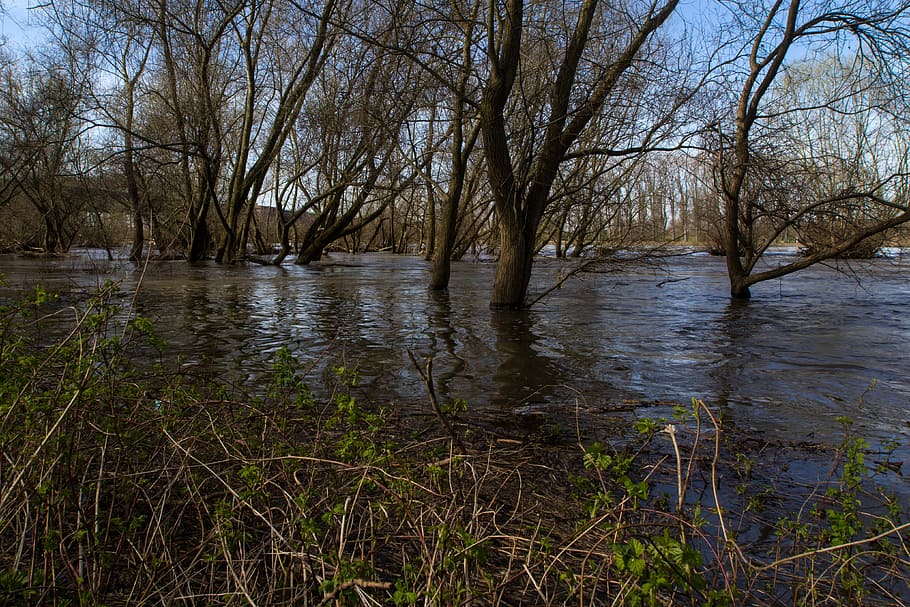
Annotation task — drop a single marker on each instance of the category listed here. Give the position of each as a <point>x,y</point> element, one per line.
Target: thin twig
<point>826,549</point>
<point>565,277</point>
<point>426,375</point>
<point>351,584</point>
<point>680,492</point>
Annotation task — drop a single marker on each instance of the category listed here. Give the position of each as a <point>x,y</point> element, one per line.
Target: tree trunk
<point>430,219</point>
<point>132,189</point>
<point>448,228</point>
<point>442,255</point>
<point>739,288</point>
<point>430,225</point>
<point>284,239</point>
<point>138,245</point>
<point>513,271</point>
<point>736,271</point>
<point>199,235</point>
<point>51,238</point>
<point>310,253</point>
<point>521,198</point>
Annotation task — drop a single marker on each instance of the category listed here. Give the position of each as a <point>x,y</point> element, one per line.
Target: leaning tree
<point>782,162</point>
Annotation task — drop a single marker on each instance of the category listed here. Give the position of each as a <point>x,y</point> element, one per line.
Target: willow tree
<point>521,176</point>
<point>773,173</point>
<point>118,36</point>
<point>196,75</point>
<point>346,158</point>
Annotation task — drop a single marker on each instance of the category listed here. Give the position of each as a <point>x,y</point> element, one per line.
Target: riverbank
<point>163,486</point>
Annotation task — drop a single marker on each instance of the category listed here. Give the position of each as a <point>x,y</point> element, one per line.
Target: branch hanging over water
<point>609,263</point>
<point>563,278</point>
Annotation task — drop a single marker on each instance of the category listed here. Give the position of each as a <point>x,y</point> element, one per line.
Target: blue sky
<point>14,22</point>
<point>15,18</point>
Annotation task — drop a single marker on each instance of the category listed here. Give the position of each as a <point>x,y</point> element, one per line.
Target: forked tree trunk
<point>736,271</point>
<point>522,197</point>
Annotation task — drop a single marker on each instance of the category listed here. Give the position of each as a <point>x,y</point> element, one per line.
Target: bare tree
<point>43,157</point>
<point>270,108</point>
<point>347,147</point>
<point>465,130</point>
<point>119,39</point>
<point>194,73</point>
<point>590,205</point>
<point>522,173</point>
<point>769,187</point>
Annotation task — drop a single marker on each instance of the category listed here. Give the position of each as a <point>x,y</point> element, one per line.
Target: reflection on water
<point>805,350</point>
<point>526,370</point>
<point>443,342</point>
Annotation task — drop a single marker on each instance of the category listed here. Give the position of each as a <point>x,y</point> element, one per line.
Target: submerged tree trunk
<point>755,213</point>
<point>460,153</point>
<point>199,235</point>
<point>521,186</point>
<point>311,252</point>
<point>51,238</point>
<point>448,228</point>
<point>737,272</point>
<point>442,255</point>
<point>132,189</point>
<point>513,271</point>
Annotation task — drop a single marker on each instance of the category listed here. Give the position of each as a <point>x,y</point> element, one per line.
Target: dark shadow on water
<point>524,376</point>
<point>731,328</point>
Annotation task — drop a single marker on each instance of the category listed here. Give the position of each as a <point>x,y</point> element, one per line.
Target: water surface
<point>806,349</point>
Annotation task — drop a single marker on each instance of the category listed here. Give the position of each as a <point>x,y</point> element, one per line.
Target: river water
<point>806,349</point>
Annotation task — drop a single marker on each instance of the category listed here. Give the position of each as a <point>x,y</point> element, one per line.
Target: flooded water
<point>803,351</point>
